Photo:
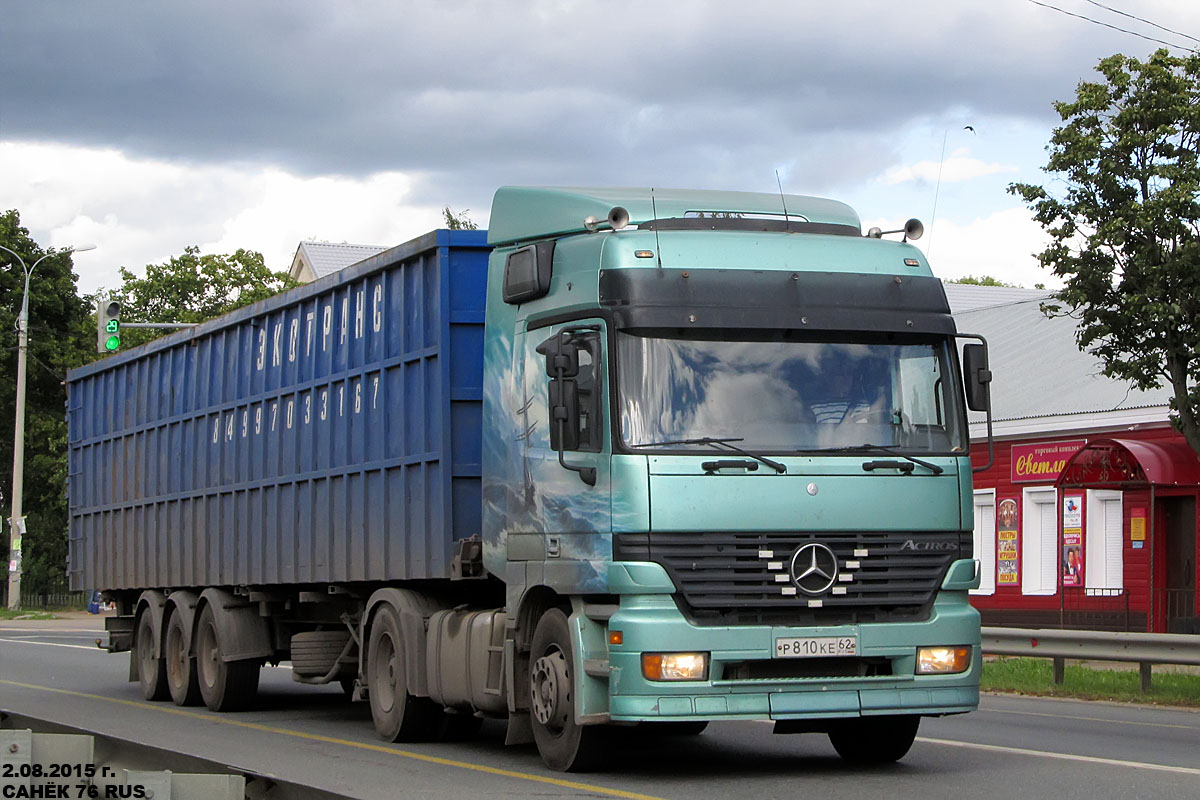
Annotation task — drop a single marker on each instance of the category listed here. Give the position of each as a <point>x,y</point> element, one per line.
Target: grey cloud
<point>474,93</point>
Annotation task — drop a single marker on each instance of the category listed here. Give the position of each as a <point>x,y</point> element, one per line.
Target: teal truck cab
<point>725,469</point>
<point>638,458</point>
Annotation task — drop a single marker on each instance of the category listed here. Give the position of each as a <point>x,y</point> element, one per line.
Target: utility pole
<point>17,521</point>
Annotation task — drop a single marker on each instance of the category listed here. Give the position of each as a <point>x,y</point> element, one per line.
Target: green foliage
<point>459,221</point>
<point>61,336</point>
<point>1036,676</point>
<point>1125,226</point>
<point>194,288</point>
<point>985,280</point>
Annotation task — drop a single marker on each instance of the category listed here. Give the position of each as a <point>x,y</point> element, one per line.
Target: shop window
<point>1039,541</point>
<point>1104,566</point>
<point>984,536</point>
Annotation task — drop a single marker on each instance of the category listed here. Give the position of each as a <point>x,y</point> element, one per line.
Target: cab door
<point>567,448</point>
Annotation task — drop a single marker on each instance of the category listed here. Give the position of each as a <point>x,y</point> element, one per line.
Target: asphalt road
<point>1013,747</point>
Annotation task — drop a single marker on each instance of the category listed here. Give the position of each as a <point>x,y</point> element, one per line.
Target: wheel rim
<point>176,657</point>
<point>383,668</point>
<point>207,656</point>
<point>550,687</point>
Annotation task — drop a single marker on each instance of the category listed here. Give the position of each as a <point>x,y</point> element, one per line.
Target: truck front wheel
<point>564,745</point>
<point>875,740</point>
<point>399,716</point>
<point>152,672</point>
<point>224,685</point>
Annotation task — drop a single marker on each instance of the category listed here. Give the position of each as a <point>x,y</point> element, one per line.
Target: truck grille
<point>744,579</point>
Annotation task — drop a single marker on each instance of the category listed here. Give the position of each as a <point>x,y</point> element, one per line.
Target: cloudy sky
<point>144,127</point>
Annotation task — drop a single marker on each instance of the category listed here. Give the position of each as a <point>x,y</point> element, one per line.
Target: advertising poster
<point>1008,559</point>
<point>1137,528</point>
<point>1072,541</point>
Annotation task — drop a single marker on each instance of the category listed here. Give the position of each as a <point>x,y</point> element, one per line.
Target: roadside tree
<point>1123,216</point>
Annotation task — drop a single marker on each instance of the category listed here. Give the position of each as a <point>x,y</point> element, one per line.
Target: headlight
<point>943,660</point>
<point>675,666</point>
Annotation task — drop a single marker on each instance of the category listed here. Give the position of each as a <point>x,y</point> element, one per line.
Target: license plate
<point>816,647</point>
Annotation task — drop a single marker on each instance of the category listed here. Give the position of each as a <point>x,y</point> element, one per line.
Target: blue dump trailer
<point>630,457</point>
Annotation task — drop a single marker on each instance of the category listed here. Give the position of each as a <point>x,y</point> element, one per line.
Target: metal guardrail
<point>1145,649</point>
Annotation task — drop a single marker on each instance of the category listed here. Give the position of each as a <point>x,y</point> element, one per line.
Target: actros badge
<point>814,568</point>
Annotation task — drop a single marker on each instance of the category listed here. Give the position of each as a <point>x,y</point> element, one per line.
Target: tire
<point>398,715</point>
<point>564,745</point>
<point>315,653</point>
<point>875,740</point>
<point>224,685</point>
<point>152,672</point>
<point>181,668</point>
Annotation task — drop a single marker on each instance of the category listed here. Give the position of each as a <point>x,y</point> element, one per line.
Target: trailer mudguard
<point>243,634</point>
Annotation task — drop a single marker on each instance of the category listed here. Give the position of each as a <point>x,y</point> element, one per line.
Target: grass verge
<point>21,613</point>
<point>1036,676</point>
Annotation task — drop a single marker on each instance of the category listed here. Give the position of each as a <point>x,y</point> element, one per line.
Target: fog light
<point>675,666</point>
<point>943,660</point>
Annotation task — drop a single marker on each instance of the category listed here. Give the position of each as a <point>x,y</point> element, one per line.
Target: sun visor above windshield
<point>775,299</point>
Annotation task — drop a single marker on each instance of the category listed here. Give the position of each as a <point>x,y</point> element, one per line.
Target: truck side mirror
<point>562,357</point>
<point>977,376</point>
<point>562,365</point>
<point>564,406</point>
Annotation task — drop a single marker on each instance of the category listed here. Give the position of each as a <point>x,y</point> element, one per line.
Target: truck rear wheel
<point>875,740</point>
<point>224,685</point>
<point>152,672</point>
<point>181,668</point>
<point>564,745</point>
<point>399,716</point>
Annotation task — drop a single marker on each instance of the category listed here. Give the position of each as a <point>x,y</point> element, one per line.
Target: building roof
<point>1041,381</point>
<point>969,297</point>
<point>323,258</point>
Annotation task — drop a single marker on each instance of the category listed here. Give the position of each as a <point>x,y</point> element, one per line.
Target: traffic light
<point>108,325</point>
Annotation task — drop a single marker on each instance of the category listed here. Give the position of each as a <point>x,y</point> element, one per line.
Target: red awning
<point>1129,461</point>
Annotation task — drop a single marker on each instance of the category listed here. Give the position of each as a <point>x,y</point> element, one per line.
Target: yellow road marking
<point>378,748</point>
<point>1021,751</point>
<point>1090,719</point>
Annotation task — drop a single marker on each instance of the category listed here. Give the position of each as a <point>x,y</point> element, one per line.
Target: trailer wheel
<point>399,716</point>
<point>181,668</point>
<point>152,672</point>
<point>564,745</point>
<point>875,740</point>
<point>224,685</point>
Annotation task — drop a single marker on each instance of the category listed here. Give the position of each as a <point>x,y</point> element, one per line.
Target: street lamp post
<point>17,522</point>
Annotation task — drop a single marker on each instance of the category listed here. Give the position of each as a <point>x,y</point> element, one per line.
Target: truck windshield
<point>781,395</point>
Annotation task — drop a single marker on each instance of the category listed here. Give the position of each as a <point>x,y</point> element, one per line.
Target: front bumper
<point>653,623</point>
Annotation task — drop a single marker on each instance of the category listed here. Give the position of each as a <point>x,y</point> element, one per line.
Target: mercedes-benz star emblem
<point>814,568</point>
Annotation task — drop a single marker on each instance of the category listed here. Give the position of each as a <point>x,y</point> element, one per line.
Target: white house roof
<point>968,297</point>
<point>1041,381</point>
<point>326,257</point>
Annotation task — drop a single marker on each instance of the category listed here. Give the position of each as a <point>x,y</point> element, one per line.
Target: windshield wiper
<point>725,442</point>
<point>879,448</point>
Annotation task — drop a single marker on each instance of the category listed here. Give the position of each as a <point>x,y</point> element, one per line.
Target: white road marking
<point>1088,719</point>
<point>1021,751</point>
<point>56,644</point>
